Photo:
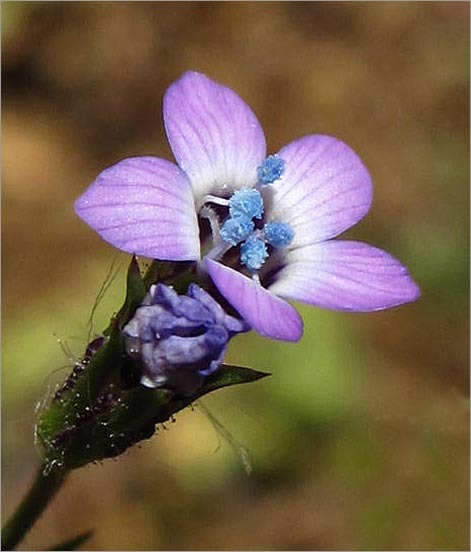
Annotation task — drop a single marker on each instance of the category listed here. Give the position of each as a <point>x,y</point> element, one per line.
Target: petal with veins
<point>345,275</point>
<point>143,205</point>
<point>266,313</point>
<point>215,136</point>
<point>324,190</point>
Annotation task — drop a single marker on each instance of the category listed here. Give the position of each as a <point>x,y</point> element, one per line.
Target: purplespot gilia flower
<point>260,226</point>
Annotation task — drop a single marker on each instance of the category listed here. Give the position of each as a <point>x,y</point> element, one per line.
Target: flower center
<point>244,224</point>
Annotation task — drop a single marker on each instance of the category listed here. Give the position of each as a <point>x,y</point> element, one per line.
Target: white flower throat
<point>243,225</point>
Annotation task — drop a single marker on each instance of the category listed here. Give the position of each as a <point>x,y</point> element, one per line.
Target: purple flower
<point>278,213</point>
<point>179,339</point>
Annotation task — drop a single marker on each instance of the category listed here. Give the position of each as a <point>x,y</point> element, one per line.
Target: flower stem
<point>44,487</point>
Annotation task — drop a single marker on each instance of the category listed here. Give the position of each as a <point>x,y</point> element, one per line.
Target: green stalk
<point>31,507</point>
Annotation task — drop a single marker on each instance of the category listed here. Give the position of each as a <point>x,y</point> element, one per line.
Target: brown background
<point>359,440</point>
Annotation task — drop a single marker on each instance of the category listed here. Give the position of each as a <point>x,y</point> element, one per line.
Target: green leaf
<point>225,376</point>
<point>135,292</point>
<point>75,543</point>
<point>157,272</point>
<point>230,375</point>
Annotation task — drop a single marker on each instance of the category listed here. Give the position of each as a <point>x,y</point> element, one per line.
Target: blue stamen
<point>270,170</point>
<point>278,234</point>
<point>236,229</point>
<point>253,253</point>
<point>246,203</point>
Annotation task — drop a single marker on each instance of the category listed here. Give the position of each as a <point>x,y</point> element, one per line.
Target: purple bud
<point>179,339</point>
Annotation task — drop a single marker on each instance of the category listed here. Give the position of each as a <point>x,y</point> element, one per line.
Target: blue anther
<point>246,203</point>
<point>278,234</point>
<point>270,170</point>
<point>236,229</point>
<point>253,253</point>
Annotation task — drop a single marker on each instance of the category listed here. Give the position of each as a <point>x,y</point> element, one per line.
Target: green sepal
<point>228,374</point>
<point>71,406</point>
<point>178,275</point>
<point>128,421</point>
<point>101,409</point>
<point>224,376</point>
<point>135,292</point>
<point>130,417</point>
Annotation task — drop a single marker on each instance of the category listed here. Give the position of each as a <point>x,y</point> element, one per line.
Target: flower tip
<point>80,202</point>
<point>191,74</point>
<point>294,334</point>
<point>409,293</point>
<point>83,207</point>
<point>292,331</point>
<point>413,292</point>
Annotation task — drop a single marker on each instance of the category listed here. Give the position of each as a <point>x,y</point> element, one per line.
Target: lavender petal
<point>345,275</point>
<point>215,136</point>
<point>266,313</point>
<point>324,190</point>
<point>143,205</point>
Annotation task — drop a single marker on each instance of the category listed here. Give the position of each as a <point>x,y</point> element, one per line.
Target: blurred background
<point>359,440</point>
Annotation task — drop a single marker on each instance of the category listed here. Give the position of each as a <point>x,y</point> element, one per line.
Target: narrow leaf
<point>225,376</point>
<point>230,375</point>
<point>75,543</point>
<point>135,293</point>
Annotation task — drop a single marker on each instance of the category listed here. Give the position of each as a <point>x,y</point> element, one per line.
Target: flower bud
<point>176,340</point>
